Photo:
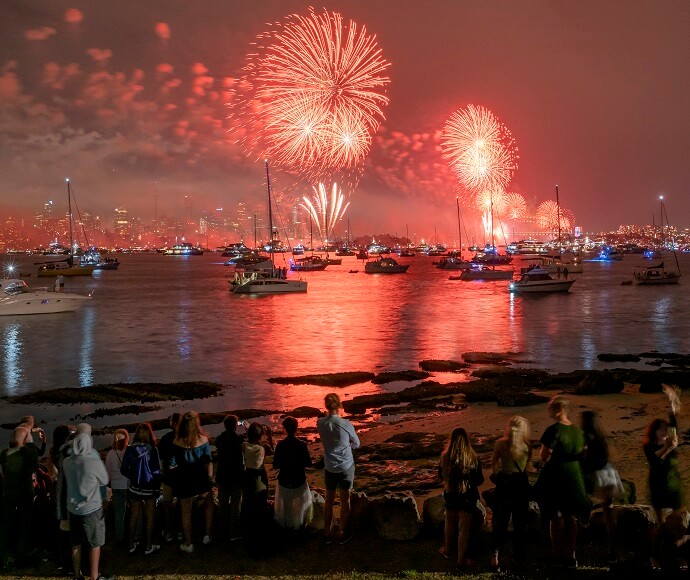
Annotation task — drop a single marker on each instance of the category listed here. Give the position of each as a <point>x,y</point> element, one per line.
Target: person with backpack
<point>141,466</point>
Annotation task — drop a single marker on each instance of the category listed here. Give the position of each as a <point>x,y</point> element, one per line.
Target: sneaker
<point>180,536</point>
<point>133,547</point>
<point>187,548</point>
<point>152,549</point>
<point>207,540</point>
<point>169,538</point>
<point>328,539</point>
<point>235,538</point>
<point>344,539</point>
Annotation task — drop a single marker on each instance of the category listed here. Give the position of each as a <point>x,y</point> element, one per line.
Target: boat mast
<point>493,242</point>
<point>70,260</point>
<point>558,217</point>
<point>270,218</point>
<point>457,206</point>
<point>661,227</point>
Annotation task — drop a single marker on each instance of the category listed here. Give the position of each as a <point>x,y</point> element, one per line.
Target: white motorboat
<point>17,299</point>
<point>557,266</point>
<point>538,280</point>
<point>265,283</point>
<point>385,266</point>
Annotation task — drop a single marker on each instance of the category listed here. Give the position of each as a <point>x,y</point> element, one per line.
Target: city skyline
<point>592,95</point>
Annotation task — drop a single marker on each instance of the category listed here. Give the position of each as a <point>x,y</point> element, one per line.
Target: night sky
<point>129,97</point>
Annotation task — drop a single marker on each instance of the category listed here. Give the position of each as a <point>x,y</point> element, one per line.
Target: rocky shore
<point>397,486</point>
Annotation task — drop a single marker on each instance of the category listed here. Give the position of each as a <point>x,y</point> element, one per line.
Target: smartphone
<point>672,432</point>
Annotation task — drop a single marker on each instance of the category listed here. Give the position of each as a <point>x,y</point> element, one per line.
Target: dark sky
<point>128,97</point>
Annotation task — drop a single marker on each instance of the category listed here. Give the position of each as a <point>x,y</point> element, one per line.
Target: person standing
<point>255,486</point>
<point>118,482</point>
<point>141,466</point>
<point>165,451</point>
<point>510,463</point>
<point>462,475</point>
<point>84,474</point>
<point>294,507</point>
<point>665,483</point>
<point>229,476</point>
<point>338,438</point>
<point>191,467</point>
<point>561,484</point>
<point>17,466</point>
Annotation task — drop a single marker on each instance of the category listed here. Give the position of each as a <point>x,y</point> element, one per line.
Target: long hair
<point>144,434</point>
<point>591,426</point>
<point>517,436</point>
<point>189,429</point>
<point>649,437</point>
<point>121,439</point>
<point>458,460</point>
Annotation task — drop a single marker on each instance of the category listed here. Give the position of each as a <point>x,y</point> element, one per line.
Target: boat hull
<point>656,280</point>
<point>41,302</point>
<point>542,286</point>
<point>270,286</point>
<point>487,275</point>
<point>399,269</point>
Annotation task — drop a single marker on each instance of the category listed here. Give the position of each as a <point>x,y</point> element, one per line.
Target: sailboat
<point>268,282</point>
<point>346,249</point>
<point>657,274</point>
<point>408,250</point>
<point>312,263</point>
<point>479,271</point>
<point>454,262</point>
<point>66,267</point>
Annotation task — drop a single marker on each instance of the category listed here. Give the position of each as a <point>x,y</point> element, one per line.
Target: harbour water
<point>167,319</point>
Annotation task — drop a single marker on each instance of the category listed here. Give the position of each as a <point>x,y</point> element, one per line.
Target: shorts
<point>88,529</point>
<point>166,492</point>
<point>340,480</point>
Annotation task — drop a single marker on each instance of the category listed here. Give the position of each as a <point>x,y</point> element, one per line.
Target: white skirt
<point>293,508</point>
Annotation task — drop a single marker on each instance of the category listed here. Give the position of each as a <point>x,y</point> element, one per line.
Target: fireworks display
<point>480,149</point>
<point>548,216</point>
<point>314,93</point>
<point>326,211</point>
<point>515,206</point>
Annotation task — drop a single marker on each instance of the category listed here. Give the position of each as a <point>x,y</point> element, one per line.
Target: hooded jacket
<point>85,473</point>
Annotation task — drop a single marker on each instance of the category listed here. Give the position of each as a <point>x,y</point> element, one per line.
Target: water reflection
<point>12,346</point>
<point>164,320</point>
<point>86,352</point>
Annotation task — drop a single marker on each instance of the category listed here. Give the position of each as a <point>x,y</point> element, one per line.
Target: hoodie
<point>85,473</point>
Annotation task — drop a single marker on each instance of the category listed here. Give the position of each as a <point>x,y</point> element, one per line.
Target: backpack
<point>141,466</point>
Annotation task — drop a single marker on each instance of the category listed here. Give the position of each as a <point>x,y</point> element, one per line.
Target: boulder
<point>442,366</point>
<point>390,376</point>
<point>317,520</point>
<point>602,383</point>
<point>488,358</point>
<point>396,516</point>
<point>361,511</point>
<point>613,357</point>
<point>520,399</point>
<point>434,513</point>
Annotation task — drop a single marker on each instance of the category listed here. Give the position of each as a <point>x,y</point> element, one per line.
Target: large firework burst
<point>515,206</point>
<point>324,211</point>
<point>480,149</point>
<point>548,214</point>
<point>313,93</point>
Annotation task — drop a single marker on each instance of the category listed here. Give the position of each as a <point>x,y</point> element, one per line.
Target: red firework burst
<point>314,93</point>
<point>480,149</point>
<point>548,214</point>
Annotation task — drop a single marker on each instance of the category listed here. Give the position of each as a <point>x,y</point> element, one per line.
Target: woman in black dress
<point>462,475</point>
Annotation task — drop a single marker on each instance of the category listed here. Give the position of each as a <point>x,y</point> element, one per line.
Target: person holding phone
<point>665,484</point>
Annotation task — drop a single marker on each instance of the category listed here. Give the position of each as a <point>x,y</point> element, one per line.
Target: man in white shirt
<point>338,438</point>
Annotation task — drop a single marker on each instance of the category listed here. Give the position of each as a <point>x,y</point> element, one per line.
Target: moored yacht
<point>538,280</point>
<point>385,266</point>
<point>17,299</point>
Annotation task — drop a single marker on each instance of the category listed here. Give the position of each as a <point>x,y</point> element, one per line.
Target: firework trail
<point>325,212</point>
<point>480,149</point>
<point>312,95</point>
